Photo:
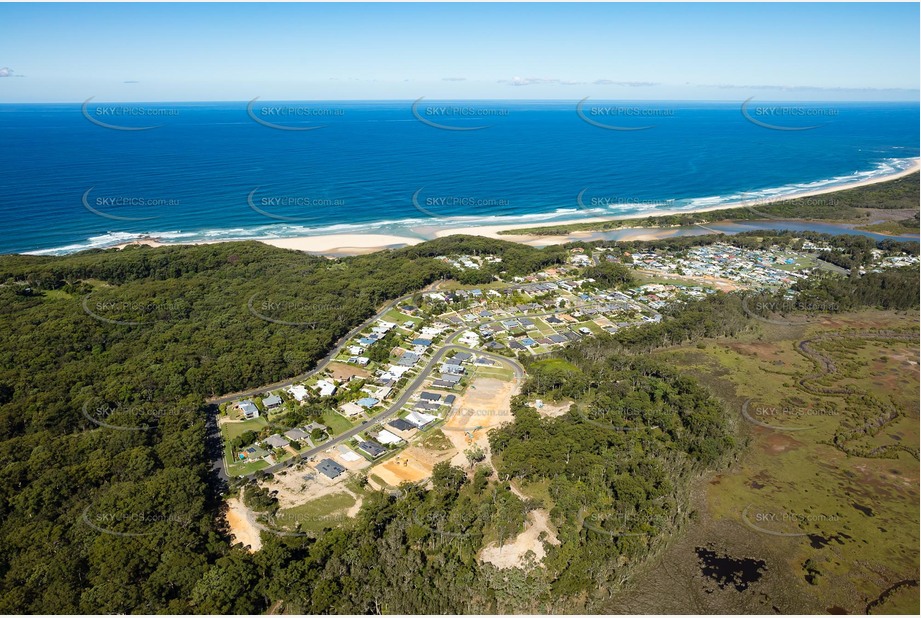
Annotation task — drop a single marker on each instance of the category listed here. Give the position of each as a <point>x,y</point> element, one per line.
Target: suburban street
<point>395,406</point>
<point>408,391</point>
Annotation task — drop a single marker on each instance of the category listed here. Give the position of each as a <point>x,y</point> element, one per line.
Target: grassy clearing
<point>378,480</point>
<point>315,515</point>
<point>500,373</point>
<point>398,317</point>
<point>336,422</point>
<point>57,295</point>
<point>232,430</point>
<point>538,491</point>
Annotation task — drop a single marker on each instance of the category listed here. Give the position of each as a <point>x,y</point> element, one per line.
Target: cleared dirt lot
<point>294,488</point>
<point>484,405</point>
<point>243,525</point>
<point>344,372</point>
<point>412,464</point>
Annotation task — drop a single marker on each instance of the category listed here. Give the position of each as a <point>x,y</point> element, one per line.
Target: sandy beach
<point>492,231</point>
<point>343,244</point>
<point>338,245</point>
<point>330,244</point>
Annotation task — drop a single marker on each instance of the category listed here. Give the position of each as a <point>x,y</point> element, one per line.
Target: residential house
<point>314,426</point>
<point>400,425</point>
<point>275,441</point>
<point>373,449</point>
<point>248,408</point>
<point>271,402</point>
<point>252,453</point>
<point>408,359</point>
<point>297,434</point>
<point>419,419</point>
<point>325,388</point>
<point>330,468</point>
<point>351,409</point>
<point>299,392</point>
<point>385,437</point>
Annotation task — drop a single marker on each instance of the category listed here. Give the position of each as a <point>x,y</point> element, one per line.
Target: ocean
<point>93,175</point>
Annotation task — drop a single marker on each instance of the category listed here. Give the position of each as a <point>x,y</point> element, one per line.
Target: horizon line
<point>438,99</point>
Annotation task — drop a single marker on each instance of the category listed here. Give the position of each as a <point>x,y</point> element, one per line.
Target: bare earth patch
<point>412,464</point>
<point>294,489</point>
<point>485,405</point>
<point>243,526</point>
<point>553,410</point>
<point>526,545</point>
<point>344,372</point>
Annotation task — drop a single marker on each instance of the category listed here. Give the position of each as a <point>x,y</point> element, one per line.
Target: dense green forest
<point>107,499</point>
<point>850,206</point>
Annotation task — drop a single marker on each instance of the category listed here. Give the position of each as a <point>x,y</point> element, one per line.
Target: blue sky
<point>207,52</point>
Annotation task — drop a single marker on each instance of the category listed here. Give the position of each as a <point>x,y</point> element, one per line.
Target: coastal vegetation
<point>853,206</point>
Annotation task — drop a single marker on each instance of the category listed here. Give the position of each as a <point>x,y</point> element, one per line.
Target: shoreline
<point>340,245</point>
<point>492,231</point>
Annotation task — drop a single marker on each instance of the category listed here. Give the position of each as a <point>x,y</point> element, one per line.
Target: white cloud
<point>553,81</point>
<point>611,82</point>
<point>531,81</point>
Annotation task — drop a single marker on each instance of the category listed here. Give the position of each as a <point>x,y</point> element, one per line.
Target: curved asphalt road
<point>219,464</point>
<point>395,406</point>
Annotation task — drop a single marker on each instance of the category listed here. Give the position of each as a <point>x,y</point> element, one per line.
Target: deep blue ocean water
<point>213,171</point>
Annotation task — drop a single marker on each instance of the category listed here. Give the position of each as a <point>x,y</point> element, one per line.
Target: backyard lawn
<point>336,422</point>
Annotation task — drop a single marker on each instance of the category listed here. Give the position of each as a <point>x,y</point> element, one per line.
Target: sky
<point>236,52</point>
